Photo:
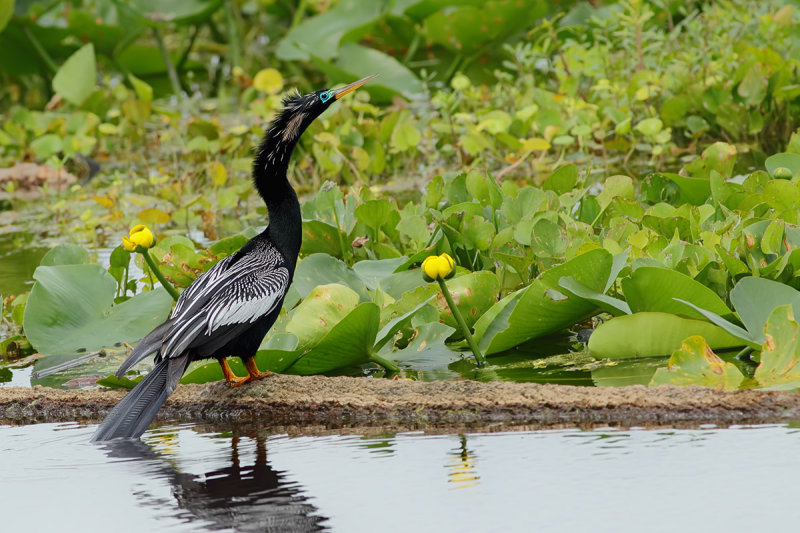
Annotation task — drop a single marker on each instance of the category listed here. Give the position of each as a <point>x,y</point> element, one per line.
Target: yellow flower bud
<point>139,235</point>
<point>438,267</point>
<point>128,244</point>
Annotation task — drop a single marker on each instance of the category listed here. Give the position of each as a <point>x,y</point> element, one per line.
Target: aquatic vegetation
<point>580,179</point>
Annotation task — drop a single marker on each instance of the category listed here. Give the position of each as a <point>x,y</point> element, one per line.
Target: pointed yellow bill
<point>338,93</point>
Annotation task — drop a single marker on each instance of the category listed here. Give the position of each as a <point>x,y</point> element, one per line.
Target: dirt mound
<point>344,402</point>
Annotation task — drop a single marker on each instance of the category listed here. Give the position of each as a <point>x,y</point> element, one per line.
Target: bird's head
<point>300,111</point>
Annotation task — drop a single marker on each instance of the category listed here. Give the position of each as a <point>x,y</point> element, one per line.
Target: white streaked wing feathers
<point>234,294</point>
<point>248,299</point>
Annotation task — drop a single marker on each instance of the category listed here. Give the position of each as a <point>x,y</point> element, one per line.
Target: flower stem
<point>388,365</point>
<point>463,325</point>
<point>154,269</point>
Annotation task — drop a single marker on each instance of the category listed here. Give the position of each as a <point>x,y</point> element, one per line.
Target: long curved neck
<point>269,174</point>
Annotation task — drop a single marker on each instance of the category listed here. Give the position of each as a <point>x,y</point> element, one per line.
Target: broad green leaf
<point>562,180</point>
<point>719,156</point>
<point>349,343</point>
<point>654,289</point>
<point>754,300</point>
<point>321,35</point>
<point>695,191</point>
<point>396,324</point>
<point>355,61</point>
<point>320,311</point>
<point>427,350</point>
<point>77,77</point>
<point>780,356</point>
<point>650,334</point>
<point>473,293</point>
<point>694,363</point>
<point>70,310</point>
<point>530,312</point>
<point>612,305</point>
<point>730,327</point>
<point>66,254</point>
<point>784,160</point>
<point>372,272</point>
<point>6,12</point>
<point>321,238</point>
<point>47,146</point>
<point>321,269</point>
<point>157,12</point>
<point>625,373</point>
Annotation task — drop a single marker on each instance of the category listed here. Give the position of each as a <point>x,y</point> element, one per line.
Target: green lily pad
<point>66,254</point>
<point>473,294</point>
<point>607,303</point>
<point>77,77</point>
<point>320,311</point>
<point>654,289</point>
<point>427,350</point>
<point>785,160</point>
<point>70,310</point>
<point>650,334</point>
<point>694,363</point>
<point>533,312</point>
<point>321,269</point>
<point>780,356</point>
<point>349,343</point>
<point>321,237</point>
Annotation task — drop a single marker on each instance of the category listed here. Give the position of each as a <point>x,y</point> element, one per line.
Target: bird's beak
<point>338,93</point>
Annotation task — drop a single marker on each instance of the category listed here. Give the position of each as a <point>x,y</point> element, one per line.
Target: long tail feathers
<point>146,346</point>
<point>131,416</point>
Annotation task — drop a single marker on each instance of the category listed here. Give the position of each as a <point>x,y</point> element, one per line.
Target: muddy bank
<point>363,402</point>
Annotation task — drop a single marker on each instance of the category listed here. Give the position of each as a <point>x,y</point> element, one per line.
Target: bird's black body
<point>228,310</point>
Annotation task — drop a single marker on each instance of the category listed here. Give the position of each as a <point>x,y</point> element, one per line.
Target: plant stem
<point>745,351</point>
<point>155,270</point>
<point>385,363</point>
<point>40,50</point>
<point>173,74</point>
<point>463,325</point>
<point>233,35</point>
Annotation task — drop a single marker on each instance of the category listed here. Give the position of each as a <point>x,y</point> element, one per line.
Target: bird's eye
<point>325,96</point>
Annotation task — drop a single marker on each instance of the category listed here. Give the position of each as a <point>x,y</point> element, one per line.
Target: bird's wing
<point>249,289</point>
<point>199,289</point>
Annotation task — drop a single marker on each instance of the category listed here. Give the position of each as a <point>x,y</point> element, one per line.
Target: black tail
<point>131,416</point>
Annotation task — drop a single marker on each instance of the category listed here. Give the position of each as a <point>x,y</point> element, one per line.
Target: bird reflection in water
<point>235,497</point>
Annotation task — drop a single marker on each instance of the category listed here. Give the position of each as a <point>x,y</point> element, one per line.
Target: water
<point>192,478</point>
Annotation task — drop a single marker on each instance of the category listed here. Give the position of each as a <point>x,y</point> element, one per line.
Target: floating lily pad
<point>650,334</point>
<point>694,363</point>
<point>530,312</point>
<point>70,310</point>
<point>780,356</point>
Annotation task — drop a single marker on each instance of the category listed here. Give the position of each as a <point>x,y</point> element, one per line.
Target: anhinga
<point>228,310</point>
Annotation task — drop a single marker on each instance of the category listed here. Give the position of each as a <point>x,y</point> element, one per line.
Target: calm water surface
<point>185,478</point>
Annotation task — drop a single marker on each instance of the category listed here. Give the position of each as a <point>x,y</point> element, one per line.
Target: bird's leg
<point>230,377</point>
<point>253,373</point>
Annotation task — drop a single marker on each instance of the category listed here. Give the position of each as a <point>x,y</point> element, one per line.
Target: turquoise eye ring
<point>325,96</point>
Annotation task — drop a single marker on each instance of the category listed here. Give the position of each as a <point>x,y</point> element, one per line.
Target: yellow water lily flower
<point>140,235</point>
<point>438,267</point>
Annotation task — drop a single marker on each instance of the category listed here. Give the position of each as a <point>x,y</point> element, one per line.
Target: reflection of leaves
<point>695,364</point>
<point>780,366</point>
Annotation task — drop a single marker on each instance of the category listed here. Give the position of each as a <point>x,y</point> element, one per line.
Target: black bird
<point>228,310</point>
